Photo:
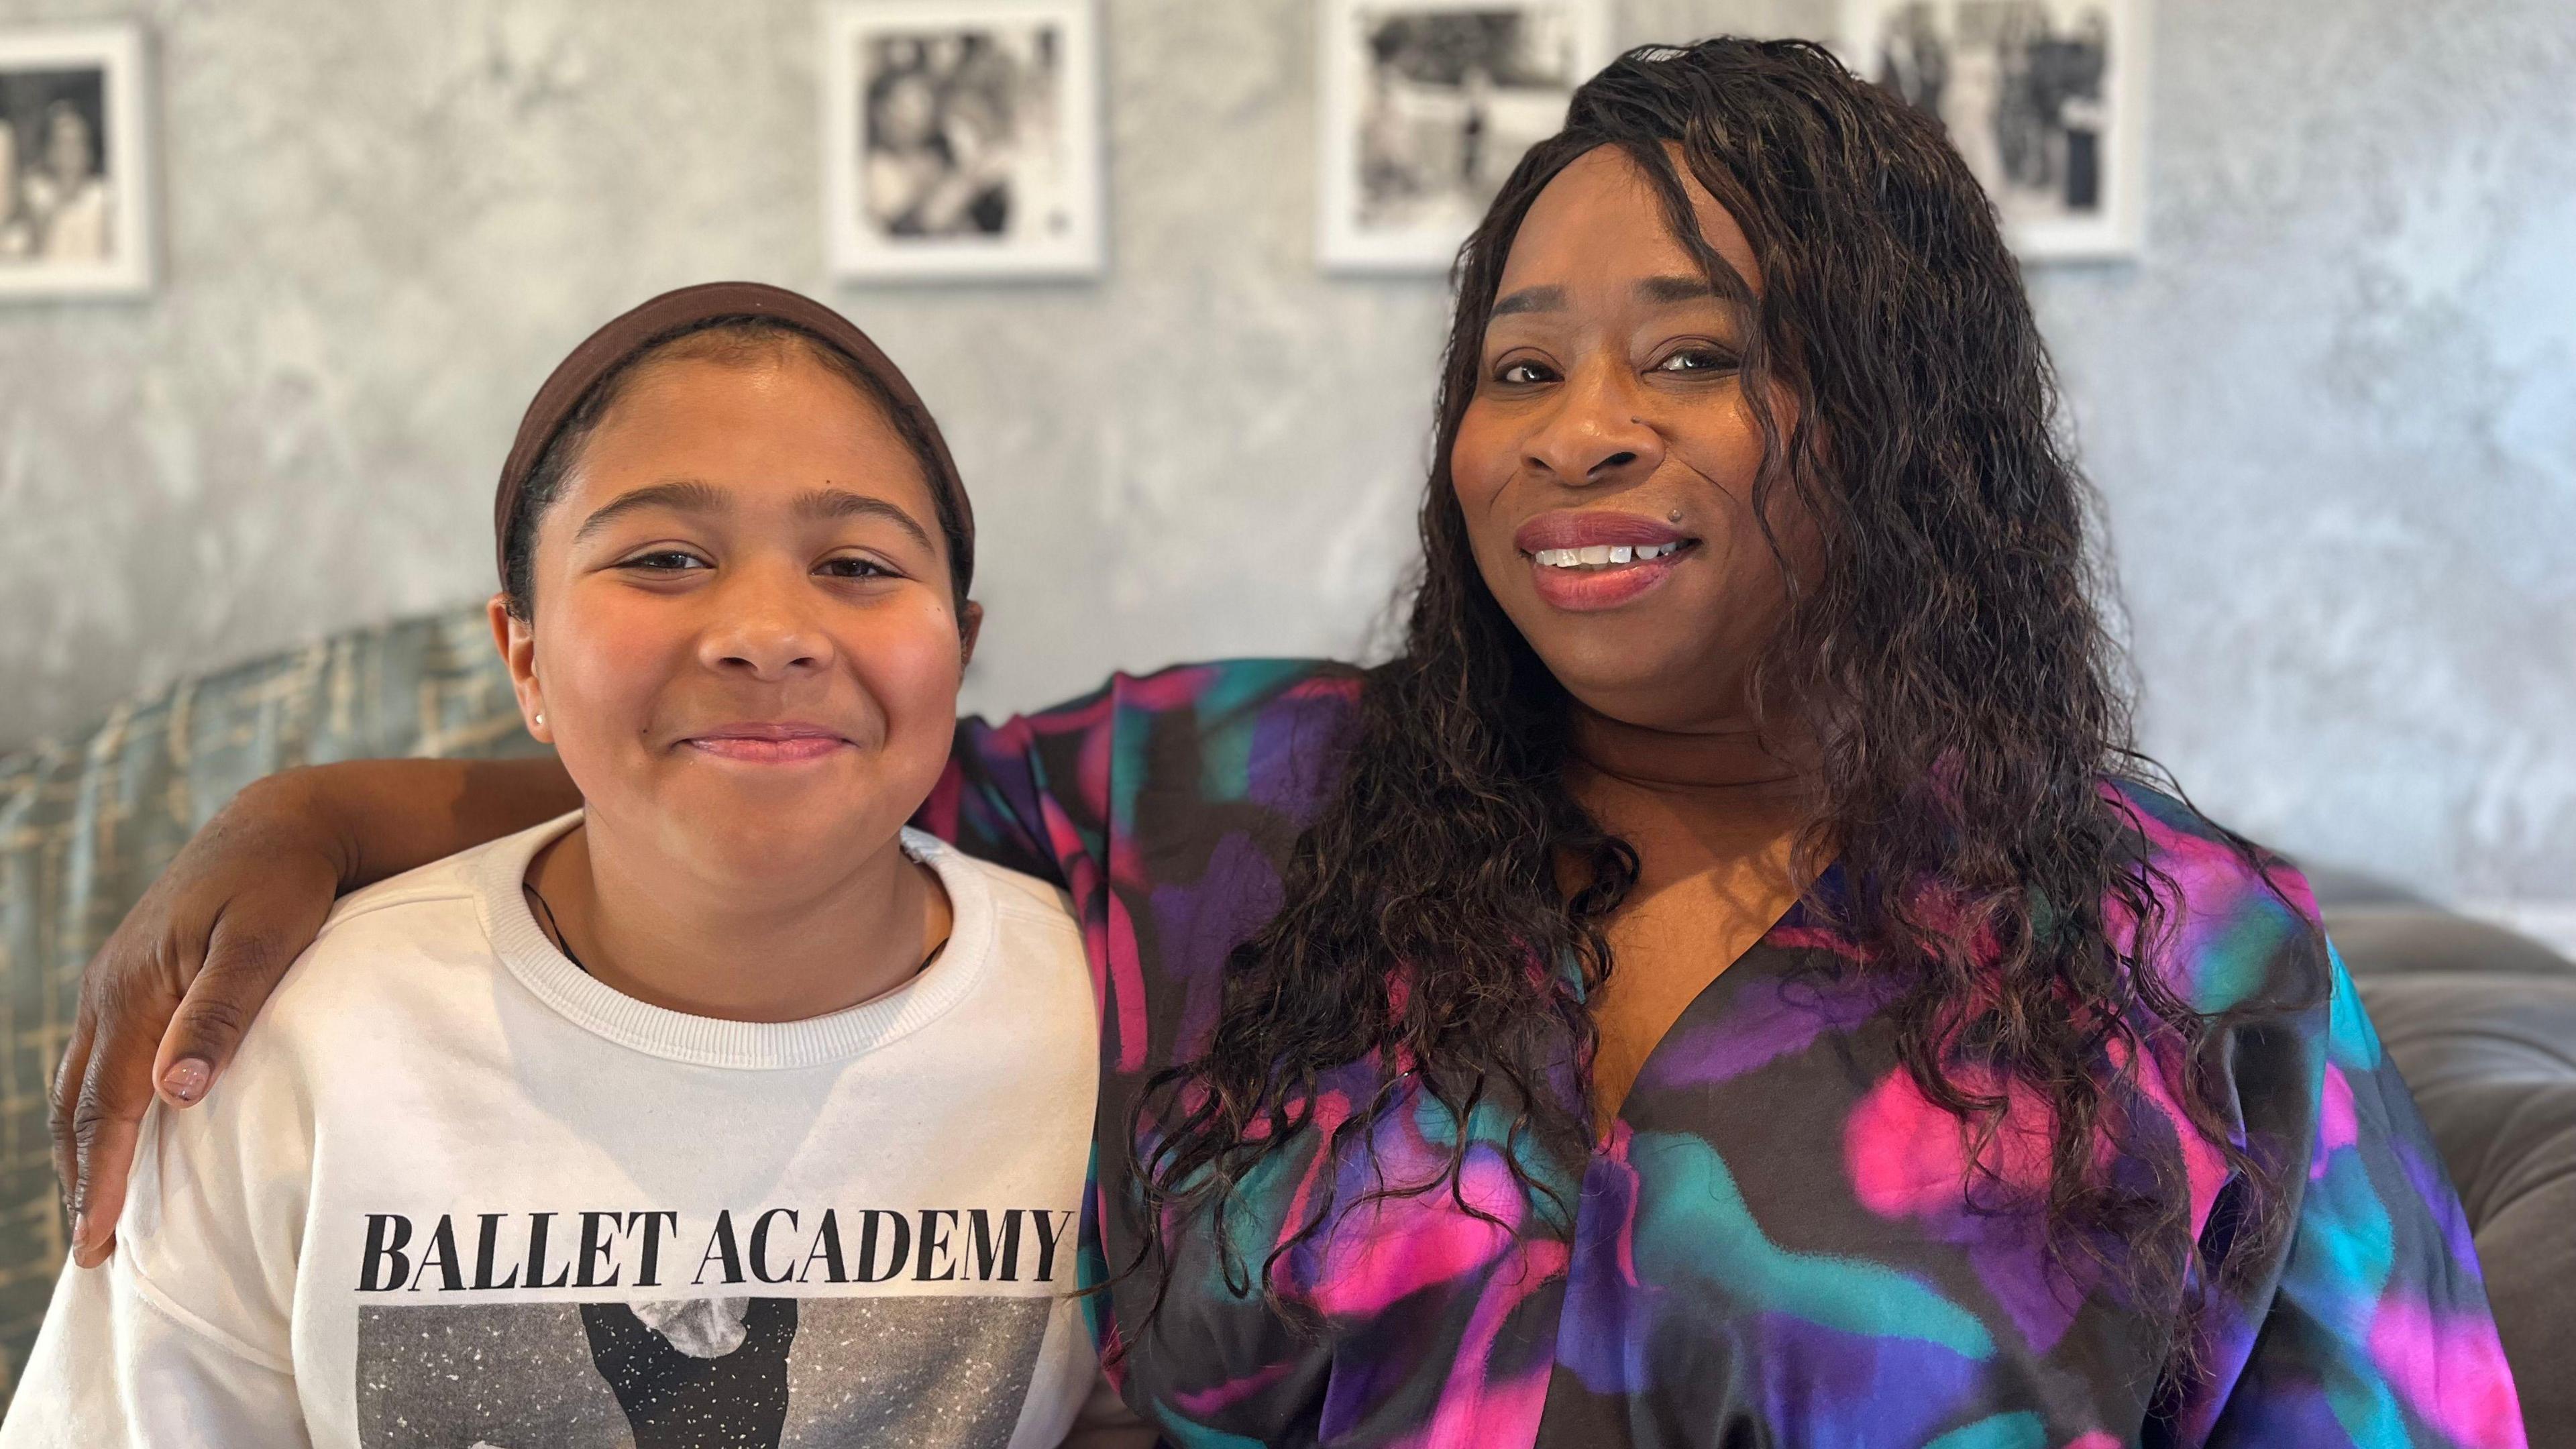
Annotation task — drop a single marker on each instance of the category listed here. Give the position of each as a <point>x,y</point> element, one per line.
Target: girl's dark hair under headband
<point>607,352</point>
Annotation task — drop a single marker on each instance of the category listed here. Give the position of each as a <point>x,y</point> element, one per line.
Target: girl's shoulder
<point>411,955</point>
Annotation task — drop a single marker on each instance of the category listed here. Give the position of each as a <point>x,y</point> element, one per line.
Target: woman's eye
<point>665,561</point>
<point>1522,374</point>
<point>856,568</point>
<point>1697,359</point>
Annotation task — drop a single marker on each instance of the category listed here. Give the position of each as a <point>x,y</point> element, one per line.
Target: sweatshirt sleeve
<point>2377,1331</point>
<point>119,1366</point>
<point>184,1337</point>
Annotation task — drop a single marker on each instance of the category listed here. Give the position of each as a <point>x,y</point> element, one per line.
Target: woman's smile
<point>1598,559</point>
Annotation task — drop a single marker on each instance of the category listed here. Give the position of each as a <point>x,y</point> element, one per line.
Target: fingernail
<point>186,1080</point>
<point>80,1233</point>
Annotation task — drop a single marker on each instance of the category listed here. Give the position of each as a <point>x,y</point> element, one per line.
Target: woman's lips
<point>1585,589</point>
<point>1585,528</point>
<point>1589,560</point>
<point>766,744</point>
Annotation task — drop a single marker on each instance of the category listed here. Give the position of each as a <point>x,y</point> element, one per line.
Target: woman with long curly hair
<point>1728,979</point>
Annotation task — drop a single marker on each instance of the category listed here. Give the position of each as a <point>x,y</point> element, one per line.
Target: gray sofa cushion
<point>2393,940</point>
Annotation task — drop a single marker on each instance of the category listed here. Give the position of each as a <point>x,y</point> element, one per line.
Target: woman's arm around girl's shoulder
<point>1046,792</point>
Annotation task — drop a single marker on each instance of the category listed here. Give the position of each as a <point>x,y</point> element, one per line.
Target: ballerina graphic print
<point>946,1372</point>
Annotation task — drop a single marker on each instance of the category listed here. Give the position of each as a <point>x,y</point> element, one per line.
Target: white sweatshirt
<point>454,1192</point>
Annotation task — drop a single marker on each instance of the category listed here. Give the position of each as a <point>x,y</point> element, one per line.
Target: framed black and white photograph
<point>75,192</point>
<point>1426,107</point>
<point>2045,98</point>
<point>962,138</point>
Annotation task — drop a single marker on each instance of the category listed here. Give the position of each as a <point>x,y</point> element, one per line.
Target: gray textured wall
<point>2334,408</point>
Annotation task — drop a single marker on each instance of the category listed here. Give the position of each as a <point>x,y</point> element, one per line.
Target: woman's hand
<point>164,1003</point>
<point>165,999</point>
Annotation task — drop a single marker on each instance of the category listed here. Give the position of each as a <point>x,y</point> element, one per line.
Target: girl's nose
<point>764,627</point>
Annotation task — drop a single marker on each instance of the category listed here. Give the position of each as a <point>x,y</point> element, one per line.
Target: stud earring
<point>541,716</point>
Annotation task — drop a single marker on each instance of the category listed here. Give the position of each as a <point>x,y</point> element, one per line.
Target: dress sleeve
<point>2377,1330</point>
<point>1009,794</point>
<point>184,1337</point>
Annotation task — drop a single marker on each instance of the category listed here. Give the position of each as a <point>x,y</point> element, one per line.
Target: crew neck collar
<point>713,1041</point>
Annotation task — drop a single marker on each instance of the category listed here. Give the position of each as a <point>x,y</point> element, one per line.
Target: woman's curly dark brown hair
<point>1946,657</point>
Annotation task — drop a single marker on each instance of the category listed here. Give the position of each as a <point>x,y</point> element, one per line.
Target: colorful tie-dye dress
<point>1773,1245</point>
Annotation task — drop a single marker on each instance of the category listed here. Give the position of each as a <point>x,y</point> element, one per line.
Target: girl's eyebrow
<point>693,495</point>
<point>686,495</point>
<point>842,503</point>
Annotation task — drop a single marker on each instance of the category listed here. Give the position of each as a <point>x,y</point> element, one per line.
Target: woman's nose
<point>764,627</point>
<point>1594,434</point>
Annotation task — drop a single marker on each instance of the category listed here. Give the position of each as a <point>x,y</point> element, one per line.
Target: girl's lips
<point>768,745</point>
<point>1582,590</point>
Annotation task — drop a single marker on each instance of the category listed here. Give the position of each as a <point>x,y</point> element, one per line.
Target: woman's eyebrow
<point>1530,299</point>
<point>842,503</point>
<point>1665,291</point>
<point>688,495</point>
<point>1654,291</point>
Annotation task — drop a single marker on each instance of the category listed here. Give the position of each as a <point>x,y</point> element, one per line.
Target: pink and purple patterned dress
<point>1773,1244</point>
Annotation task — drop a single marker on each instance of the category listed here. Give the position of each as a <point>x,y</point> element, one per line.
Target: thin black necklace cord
<point>563,943</point>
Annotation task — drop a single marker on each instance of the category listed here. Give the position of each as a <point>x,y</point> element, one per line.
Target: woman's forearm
<point>165,1000</point>
<point>385,817</point>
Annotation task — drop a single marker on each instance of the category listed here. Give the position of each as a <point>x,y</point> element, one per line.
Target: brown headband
<point>609,348</point>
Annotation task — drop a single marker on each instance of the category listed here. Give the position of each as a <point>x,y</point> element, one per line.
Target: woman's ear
<point>970,626</point>
<point>516,638</point>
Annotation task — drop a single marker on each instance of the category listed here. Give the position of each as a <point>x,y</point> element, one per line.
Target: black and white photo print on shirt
<point>943,1372</point>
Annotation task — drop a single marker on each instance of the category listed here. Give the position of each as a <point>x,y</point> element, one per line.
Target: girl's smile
<point>755,742</point>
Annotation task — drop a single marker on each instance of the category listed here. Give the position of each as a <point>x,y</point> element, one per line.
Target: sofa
<point>2481,1021</point>
<point>86,823</point>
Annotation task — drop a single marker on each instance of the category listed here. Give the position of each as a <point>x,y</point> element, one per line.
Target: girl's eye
<point>1697,359</point>
<point>1523,374</point>
<point>856,568</point>
<point>666,561</point>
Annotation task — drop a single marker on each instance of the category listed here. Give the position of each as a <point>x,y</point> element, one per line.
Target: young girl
<point>721,1111</point>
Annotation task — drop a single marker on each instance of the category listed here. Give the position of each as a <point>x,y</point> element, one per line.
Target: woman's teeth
<point>1603,554</point>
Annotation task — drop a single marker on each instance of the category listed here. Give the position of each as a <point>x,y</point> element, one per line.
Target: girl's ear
<point>516,638</point>
<point>970,625</point>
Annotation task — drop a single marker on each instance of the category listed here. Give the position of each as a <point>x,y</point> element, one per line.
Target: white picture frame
<point>75,222</point>
<point>962,139</point>
<point>1425,106</point>
<point>2046,99</point>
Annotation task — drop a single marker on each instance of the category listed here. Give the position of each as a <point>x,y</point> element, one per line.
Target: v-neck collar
<point>1764,958</point>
